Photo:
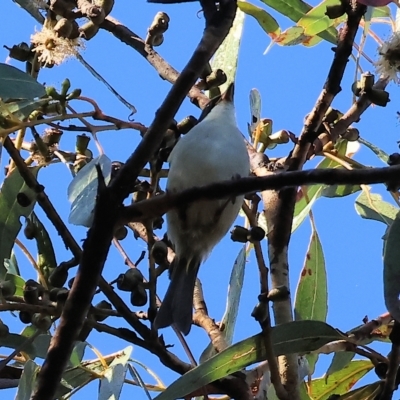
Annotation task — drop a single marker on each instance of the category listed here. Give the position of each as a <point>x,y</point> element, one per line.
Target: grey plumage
<point>213,151</point>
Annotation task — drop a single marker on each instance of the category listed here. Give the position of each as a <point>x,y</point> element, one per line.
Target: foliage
<point>27,106</point>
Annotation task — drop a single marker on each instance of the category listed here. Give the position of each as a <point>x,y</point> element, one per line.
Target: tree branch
<point>109,201</point>
<point>279,206</point>
<point>159,205</point>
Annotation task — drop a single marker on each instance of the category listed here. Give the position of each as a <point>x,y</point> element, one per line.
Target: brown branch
<point>355,111</point>
<point>265,323</point>
<point>390,383</point>
<point>159,205</point>
<point>109,200</point>
<point>165,70</point>
<point>202,319</point>
<point>279,206</point>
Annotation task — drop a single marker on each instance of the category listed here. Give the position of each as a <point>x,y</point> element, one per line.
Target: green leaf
<point>289,338</point>
<point>391,269</point>
<point>15,84</point>
<point>46,259</point>
<point>232,303</point>
<point>30,7</point>
<point>371,206</point>
<point>113,380</point>
<point>296,9</point>
<point>340,360</point>
<point>18,282</point>
<point>36,349</point>
<point>226,57</point>
<point>307,196</point>
<point>11,212</point>
<point>21,109</point>
<point>305,200</point>
<point>316,20</point>
<point>267,21</point>
<point>291,36</point>
<point>381,12</point>
<point>82,191</point>
<point>340,190</point>
<point>367,392</point>
<point>27,381</point>
<point>311,300</point>
<point>384,157</point>
<point>12,265</point>
<point>77,353</point>
<point>341,381</point>
<point>77,376</point>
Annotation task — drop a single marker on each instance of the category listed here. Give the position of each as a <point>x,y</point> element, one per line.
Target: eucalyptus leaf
<point>316,20</point>
<point>114,376</point>
<point>16,84</point>
<point>29,6</point>
<point>27,381</point>
<point>21,109</point>
<point>311,299</point>
<point>11,212</point>
<point>297,9</point>
<point>391,269</point>
<point>290,338</point>
<point>267,22</point>
<point>82,191</point>
<point>232,303</point>
<point>226,57</point>
<point>341,381</point>
<point>371,206</point>
<point>339,361</point>
<point>46,259</point>
<point>384,157</point>
<point>36,349</point>
<point>367,392</point>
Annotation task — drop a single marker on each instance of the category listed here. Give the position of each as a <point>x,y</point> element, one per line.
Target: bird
<point>214,150</point>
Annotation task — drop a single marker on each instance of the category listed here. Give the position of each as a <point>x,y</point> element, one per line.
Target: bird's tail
<point>177,306</point>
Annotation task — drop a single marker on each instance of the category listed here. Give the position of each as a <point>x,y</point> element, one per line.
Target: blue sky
<point>289,80</point>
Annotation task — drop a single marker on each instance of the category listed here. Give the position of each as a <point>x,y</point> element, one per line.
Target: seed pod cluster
<point>365,86</point>
<point>243,235</point>
<point>133,281</point>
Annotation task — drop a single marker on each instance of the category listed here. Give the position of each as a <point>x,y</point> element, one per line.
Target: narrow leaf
<point>11,212</point>
<point>267,22</point>
<point>367,392</point>
<point>15,84</point>
<point>296,9</point>
<point>340,360</point>
<point>316,20</point>
<point>371,206</point>
<point>311,300</point>
<point>113,378</point>
<point>232,303</point>
<point>46,259</point>
<point>21,109</point>
<point>36,349</point>
<point>341,381</point>
<point>31,8</point>
<point>226,57</point>
<point>384,157</point>
<point>391,269</point>
<point>27,381</point>
<point>82,191</point>
<point>289,338</point>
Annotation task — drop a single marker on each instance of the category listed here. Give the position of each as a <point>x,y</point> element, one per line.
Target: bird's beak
<point>228,95</point>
